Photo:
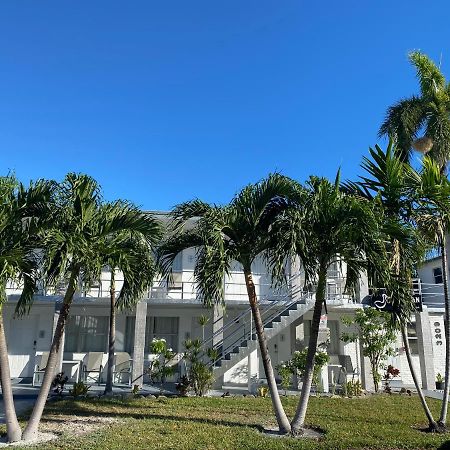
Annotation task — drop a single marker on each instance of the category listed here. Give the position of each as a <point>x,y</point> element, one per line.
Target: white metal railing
<point>177,289</point>
<point>182,290</point>
<point>432,294</point>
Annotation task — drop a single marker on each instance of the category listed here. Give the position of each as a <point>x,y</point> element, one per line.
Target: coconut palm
<point>129,253</point>
<point>432,213</point>
<point>387,183</point>
<point>321,226</point>
<point>223,235</point>
<point>23,211</point>
<point>73,251</point>
<point>427,114</point>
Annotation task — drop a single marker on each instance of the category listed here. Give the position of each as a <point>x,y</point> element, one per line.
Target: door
<point>21,335</point>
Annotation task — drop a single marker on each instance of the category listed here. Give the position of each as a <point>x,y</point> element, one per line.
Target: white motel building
<point>171,311</point>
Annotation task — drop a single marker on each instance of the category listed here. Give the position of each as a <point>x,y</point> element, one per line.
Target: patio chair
<point>347,366</point>
<point>93,365</point>
<point>123,364</point>
<point>40,368</point>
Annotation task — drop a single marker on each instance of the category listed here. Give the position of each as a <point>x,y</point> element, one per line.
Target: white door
<point>21,335</point>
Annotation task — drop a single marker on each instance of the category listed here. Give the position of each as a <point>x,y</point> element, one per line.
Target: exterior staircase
<point>237,339</point>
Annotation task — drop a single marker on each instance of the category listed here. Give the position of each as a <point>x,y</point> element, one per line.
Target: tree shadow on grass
<point>80,410</point>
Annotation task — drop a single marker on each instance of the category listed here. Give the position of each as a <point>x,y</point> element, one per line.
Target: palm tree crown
<point>427,113</point>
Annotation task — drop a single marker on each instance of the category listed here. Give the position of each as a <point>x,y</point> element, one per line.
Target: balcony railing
<point>181,290</point>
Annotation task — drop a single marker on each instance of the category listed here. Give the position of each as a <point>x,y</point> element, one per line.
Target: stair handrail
<point>263,302</point>
<point>248,336</point>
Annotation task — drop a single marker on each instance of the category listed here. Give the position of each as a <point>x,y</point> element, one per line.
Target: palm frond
<point>430,77</point>
<point>402,122</point>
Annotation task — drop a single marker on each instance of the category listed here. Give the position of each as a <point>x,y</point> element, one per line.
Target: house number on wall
<point>438,333</point>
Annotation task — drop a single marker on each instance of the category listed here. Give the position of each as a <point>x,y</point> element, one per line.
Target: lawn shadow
<point>81,410</point>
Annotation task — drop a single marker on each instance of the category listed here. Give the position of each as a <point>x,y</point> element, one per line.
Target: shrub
<point>79,390</point>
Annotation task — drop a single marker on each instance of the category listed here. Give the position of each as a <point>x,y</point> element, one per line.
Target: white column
<point>217,341</point>
<point>139,343</point>
<point>425,346</point>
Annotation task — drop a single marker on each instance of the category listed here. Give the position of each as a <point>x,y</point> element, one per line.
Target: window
<point>129,334</point>
<point>156,327</point>
<point>437,273</point>
<point>86,334</point>
<point>412,339</point>
<point>333,347</point>
<point>162,328</point>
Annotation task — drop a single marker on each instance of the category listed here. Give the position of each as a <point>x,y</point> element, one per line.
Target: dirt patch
<point>74,425</point>
<point>306,433</point>
<point>41,438</point>
<point>56,425</point>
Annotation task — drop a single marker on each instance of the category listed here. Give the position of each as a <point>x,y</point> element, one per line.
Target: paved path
<point>24,398</point>
<point>434,394</point>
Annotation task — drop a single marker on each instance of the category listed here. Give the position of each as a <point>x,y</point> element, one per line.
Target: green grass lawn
<point>379,422</point>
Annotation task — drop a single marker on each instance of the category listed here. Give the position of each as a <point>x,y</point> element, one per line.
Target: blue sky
<point>166,101</point>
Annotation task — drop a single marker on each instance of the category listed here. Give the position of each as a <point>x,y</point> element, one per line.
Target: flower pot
<point>439,385</point>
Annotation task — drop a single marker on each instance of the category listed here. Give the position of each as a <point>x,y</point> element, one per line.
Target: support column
<point>425,345</point>
<point>217,341</point>
<point>252,364</point>
<point>363,287</point>
<point>139,343</point>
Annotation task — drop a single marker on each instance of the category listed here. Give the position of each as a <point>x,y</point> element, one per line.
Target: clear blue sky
<point>166,101</point>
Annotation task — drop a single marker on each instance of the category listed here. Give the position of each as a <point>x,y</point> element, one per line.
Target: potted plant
<point>439,381</point>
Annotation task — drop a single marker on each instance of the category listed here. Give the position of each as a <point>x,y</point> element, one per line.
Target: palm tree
<point>321,226</point>
<point>387,183</point>
<point>432,213</point>
<point>222,235</point>
<point>73,251</point>
<point>427,113</point>
<point>203,321</point>
<point>23,211</point>
<point>130,253</point>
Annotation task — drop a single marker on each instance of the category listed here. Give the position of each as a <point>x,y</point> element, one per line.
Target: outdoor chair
<point>347,366</point>
<point>93,365</point>
<point>40,368</point>
<point>123,364</point>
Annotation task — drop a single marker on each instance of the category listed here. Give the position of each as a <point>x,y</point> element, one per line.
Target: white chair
<point>93,363</point>
<point>40,368</point>
<point>123,364</point>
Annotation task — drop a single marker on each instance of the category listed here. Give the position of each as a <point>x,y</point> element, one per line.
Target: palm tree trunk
<point>12,425</point>
<point>112,337</point>
<point>443,416</point>
<point>300,414</point>
<point>31,429</point>
<point>433,426</point>
<point>280,414</point>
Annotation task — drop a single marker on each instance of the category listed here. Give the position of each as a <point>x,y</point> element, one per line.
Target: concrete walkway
<point>438,395</point>
<point>25,396</point>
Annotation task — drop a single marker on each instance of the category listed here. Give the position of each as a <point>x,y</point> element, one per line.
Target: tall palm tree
<point>132,254</point>
<point>73,251</point>
<point>432,214</point>
<point>222,235</point>
<point>23,211</point>
<point>321,226</point>
<point>387,183</point>
<point>427,114</point>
